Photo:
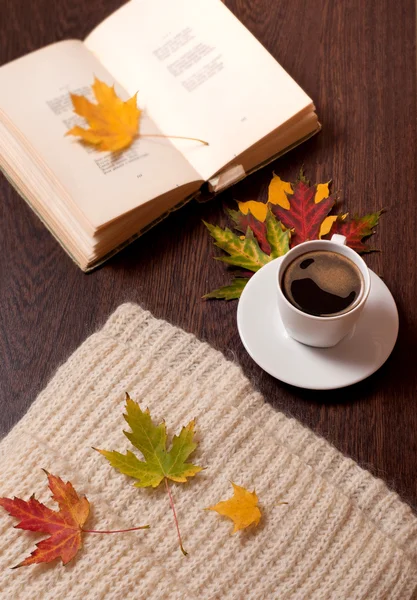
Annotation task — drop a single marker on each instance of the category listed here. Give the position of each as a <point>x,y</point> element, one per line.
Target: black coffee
<point>322,283</point>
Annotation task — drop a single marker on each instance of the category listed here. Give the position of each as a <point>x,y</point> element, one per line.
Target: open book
<point>198,73</point>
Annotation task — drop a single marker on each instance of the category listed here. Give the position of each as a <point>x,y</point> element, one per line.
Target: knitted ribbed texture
<point>343,535</point>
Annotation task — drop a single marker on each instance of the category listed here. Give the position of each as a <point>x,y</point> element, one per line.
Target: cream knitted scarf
<point>343,535</point>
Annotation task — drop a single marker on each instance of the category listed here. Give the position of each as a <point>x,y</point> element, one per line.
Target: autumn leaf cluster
<point>293,213</point>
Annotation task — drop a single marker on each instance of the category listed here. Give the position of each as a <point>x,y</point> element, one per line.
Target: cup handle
<point>338,239</point>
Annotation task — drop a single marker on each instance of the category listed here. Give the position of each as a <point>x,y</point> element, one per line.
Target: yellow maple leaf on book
<point>113,122</point>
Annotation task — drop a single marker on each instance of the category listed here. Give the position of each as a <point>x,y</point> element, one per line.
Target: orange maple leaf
<point>64,526</point>
<point>242,508</point>
<point>114,124</point>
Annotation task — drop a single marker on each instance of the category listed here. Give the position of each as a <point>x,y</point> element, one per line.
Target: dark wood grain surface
<point>356,60</point>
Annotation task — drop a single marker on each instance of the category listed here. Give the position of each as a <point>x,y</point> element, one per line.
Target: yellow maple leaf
<point>242,508</point>
<point>114,124</point>
<point>322,192</point>
<point>257,209</point>
<point>327,225</point>
<point>278,190</point>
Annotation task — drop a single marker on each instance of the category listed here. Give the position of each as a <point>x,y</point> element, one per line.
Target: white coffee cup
<point>321,332</point>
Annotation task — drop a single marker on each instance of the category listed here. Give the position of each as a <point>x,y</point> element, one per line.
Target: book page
<point>34,96</point>
<point>199,73</point>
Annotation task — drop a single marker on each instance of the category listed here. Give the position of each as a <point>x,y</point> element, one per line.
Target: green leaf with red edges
<point>277,236</point>
<point>356,230</point>
<point>244,253</point>
<point>242,222</point>
<point>304,216</point>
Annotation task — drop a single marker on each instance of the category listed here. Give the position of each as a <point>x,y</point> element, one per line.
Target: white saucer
<point>356,357</point>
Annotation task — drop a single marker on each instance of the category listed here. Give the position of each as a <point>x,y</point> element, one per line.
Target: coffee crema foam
<point>323,283</point>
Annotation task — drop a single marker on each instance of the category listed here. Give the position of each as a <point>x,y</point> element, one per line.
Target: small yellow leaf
<point>242,508</point>
<point>258,209</point>
<point>327,224</point>
<point>114,124</point>
<point>278,190</point>
<point>322,192</point>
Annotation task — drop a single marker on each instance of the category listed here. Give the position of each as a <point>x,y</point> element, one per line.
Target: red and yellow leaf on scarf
<point>65,526</point>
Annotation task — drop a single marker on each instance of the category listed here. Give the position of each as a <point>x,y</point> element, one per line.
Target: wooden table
<point>356,59</point>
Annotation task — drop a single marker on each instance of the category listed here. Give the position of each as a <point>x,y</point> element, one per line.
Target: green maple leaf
<point>159,464</point>
<point>151,441</point>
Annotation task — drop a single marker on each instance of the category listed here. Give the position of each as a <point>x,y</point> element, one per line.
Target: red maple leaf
<point>242,222</point>
<point>304,216</point>
<point>356,230</point>
<point>64,526</point>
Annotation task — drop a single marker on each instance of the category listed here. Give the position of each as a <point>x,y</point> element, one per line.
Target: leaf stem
<point>171,501</point>
<point>177,137</point>
<point>116,530</point>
